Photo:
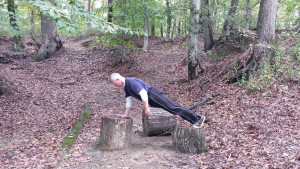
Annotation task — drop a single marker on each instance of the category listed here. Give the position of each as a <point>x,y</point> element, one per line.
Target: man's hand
<point>126,113</point>
<point>147,112</point>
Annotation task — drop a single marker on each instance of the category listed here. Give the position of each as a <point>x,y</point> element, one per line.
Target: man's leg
<point>158,99</point>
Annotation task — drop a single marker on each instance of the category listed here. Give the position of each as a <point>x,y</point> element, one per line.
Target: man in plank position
<point>154,97</point>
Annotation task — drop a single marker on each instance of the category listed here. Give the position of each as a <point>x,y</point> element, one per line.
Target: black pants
<point>158,99</point>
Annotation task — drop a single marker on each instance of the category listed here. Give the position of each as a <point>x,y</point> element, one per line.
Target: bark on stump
<point>115,133</point>
<point>160,123</point>
<point>189,140</point>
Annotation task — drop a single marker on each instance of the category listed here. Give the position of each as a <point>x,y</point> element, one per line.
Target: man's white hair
<point>115,76</point>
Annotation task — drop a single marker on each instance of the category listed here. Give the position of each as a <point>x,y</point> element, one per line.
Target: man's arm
<point>144,97</point>
<point>128,106</point>
<point>146,107</point>
<point>127,111</point>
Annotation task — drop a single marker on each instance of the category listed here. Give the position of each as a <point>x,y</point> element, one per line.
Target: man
<point>154,97</point>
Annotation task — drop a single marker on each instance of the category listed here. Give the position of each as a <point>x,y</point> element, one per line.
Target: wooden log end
<point>115,133</point>
<point>189,140</point>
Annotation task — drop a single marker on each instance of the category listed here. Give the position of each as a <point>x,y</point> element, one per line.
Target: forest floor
<point>42,100</point>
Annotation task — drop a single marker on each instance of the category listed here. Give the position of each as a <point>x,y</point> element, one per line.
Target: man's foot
<point>199,123</point>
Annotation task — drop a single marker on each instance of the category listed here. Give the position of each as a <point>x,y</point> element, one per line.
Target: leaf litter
<point>43,100</point>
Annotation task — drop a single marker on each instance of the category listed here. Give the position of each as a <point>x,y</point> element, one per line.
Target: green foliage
<point>111,40</point>
<point>5,27</point>
<point>243,80</point>
<point>223,52</point>
<point>296,50</point>
<point>219,54</point>
<point>281,69</point>
<point>261,78</point>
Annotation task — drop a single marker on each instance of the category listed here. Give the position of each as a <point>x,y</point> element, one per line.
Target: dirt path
<point>145,152</point>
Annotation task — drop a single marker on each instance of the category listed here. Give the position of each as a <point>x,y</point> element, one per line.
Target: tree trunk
<point>185,22</point>
<point>193,40</point>
<point>115,133</point>
<point>189,140</point>
<point>179,28</point>
<point>32,32</point>
<point>229,21</point>
<point>145,47</point>
<point>207,26</point>
<point>266,37</point>
<point>50,39</point>
<point>123,33</point>
<point>11,7</point>
<point>89,6</point>
<point>160,123</point>
<point>248,15</point>
<point>110,11</point>
<point>174,28</point>
<point>168,19</point>
<point>161,30</point>
<point>153,27</point>
<point>92,5</point>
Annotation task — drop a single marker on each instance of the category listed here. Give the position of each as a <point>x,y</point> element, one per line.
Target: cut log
<point>189,140</point>
<point>160,123</point>
<point>115,133</point>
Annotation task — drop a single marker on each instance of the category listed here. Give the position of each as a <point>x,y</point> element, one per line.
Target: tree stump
<point>115,133</point>
<point>189,140</point>
<point>160,123</point>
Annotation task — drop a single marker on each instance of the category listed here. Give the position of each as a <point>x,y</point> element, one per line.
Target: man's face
<point>117,83</point>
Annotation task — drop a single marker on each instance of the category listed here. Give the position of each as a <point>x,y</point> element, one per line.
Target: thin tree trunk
<point>185,22</point>
<point>50,39</point>
<point>266,37</point>
<point>11,7</point>
<point>174,26</point>
<point>110,11</point>
<point>168,19</point>
<point>153,27</point>
<point>123,33</point>
<point>32,32</point>
<point>193,40</point>
<point>145,47</point>
<point>89,10</point>
<point>89,6</point>
<point>248,15</point>
<point>92,5</point>
<point>161,30</point>
<point>179,28</point>
<point>229,21</point>
<point>207,26</point>
<point>214,23</point>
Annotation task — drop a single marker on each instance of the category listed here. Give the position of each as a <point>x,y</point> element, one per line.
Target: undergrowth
<point>111,40</point>
<point>283,67</point>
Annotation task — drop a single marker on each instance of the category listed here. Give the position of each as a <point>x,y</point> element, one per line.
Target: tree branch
<point>203,101</point>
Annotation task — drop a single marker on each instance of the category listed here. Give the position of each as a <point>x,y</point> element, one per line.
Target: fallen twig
<point>203,101</point>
